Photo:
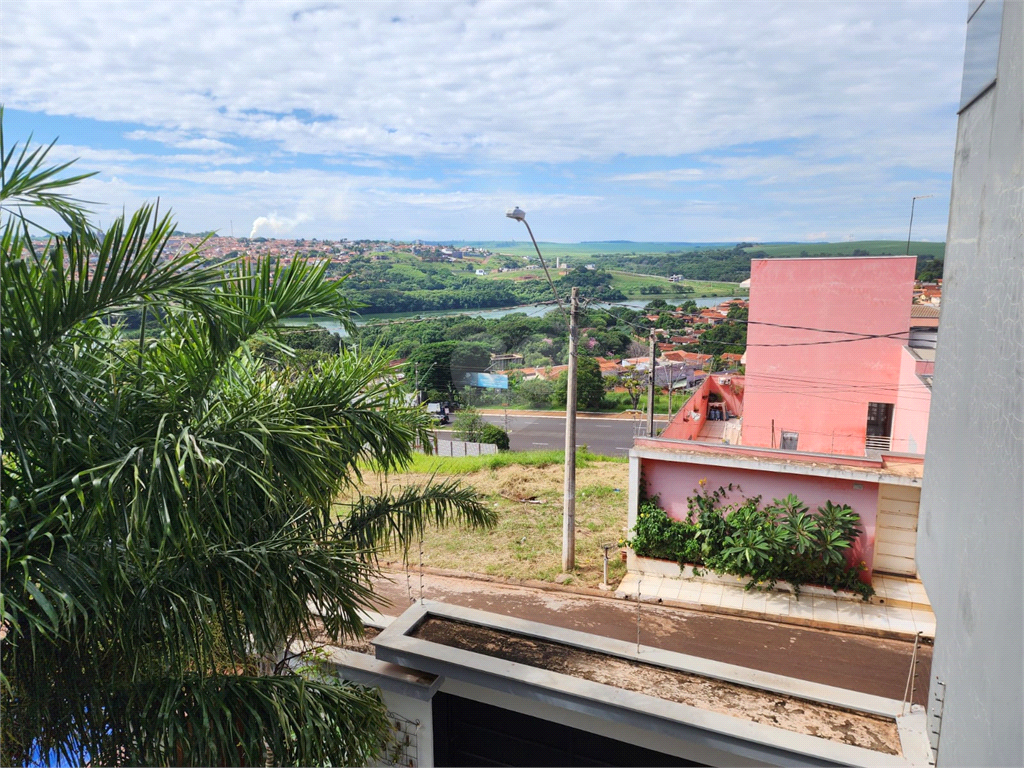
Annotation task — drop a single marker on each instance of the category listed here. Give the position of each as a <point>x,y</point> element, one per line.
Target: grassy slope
<point>631,284</point>
<point>873,247</point>
<point>527,542</point>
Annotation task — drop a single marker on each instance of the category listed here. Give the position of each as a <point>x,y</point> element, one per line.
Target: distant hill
<point>872,247</point>
<point>593,248</point>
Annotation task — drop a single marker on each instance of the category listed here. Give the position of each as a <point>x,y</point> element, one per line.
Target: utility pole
<point>671,386</point>
<point>913,202</point>
<point>569,502</point>
<point>650,391</point>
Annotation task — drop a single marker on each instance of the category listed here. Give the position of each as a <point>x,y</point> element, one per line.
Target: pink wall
<point>910,421</point>
<point>674,482</point>
<point>821,390</point>
<point>731,393</point>
<point>684,427</point>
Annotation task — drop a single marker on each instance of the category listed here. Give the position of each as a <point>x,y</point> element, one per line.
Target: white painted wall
<point>970,547</point>
<point>421,736</point>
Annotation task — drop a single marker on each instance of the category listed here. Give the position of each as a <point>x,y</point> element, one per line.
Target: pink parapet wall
<point>674,482</point>
<point>685,427</point>
<point>910,420</point>
<point>809,369</point>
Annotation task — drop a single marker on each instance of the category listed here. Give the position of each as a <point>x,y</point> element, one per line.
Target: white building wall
<point>970,548</point>
<point>414,731</point>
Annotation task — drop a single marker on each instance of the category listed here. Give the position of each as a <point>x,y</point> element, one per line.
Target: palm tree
<point>168,503</point>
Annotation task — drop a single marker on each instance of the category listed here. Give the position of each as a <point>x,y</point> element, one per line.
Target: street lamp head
<point>922,197</point>
<point>516,213</point>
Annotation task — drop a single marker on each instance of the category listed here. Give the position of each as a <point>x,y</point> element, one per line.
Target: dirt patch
<point>792,714</point>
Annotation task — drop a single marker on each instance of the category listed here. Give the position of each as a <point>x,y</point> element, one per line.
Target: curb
<point>883,634</point>
<point>547,586</point>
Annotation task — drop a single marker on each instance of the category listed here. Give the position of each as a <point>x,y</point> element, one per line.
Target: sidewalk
<point>857,662</point>
<point>900,608</point>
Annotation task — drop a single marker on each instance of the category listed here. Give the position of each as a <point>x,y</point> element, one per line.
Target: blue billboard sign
<point>488,380</point>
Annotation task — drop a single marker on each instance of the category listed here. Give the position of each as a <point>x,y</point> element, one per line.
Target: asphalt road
<point>603,436</point>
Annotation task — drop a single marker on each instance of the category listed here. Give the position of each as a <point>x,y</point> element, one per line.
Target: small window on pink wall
<point>789,440</point>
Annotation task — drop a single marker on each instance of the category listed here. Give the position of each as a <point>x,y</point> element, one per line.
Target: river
<point>530,310</point>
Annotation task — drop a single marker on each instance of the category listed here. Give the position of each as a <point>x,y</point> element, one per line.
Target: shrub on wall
<point>782,541</point>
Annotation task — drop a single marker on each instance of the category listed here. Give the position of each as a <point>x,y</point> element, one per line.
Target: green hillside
<point>583,250</point>
<point>873,248</point>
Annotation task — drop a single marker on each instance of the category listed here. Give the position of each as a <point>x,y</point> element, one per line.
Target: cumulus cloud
<point>815,104</point>
<point>542,82</point>
<point>274,225</point>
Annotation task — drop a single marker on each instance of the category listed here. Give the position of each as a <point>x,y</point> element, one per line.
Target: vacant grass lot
<point>631,284</point>
<point>527,541</point>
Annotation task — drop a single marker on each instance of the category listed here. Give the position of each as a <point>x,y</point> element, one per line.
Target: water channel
<point>530,310</point>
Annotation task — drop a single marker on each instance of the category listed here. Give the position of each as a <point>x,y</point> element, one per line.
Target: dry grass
<point>527,541</point>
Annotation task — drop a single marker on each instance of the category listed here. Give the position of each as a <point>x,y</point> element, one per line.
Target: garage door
<point>468,733</point>
<point>896,529</point>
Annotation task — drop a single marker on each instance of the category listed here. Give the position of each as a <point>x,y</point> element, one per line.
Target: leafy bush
<point>535,393</point>
<point>495,436</point>
<point>469,425</point>
<point>782,541</point>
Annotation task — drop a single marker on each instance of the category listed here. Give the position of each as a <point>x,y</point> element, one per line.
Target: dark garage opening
<point>469,733</point>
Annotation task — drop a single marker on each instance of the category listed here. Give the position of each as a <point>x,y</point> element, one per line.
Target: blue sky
<point>685,121</point>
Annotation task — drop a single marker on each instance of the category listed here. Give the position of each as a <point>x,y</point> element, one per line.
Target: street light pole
<point>910,229</point>
<point>569,495</point>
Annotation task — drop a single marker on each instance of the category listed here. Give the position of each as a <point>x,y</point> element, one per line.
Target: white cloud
<point>274,225</point>
<point>825,115</point>
<point>656,177</point>
<point>549,82</point>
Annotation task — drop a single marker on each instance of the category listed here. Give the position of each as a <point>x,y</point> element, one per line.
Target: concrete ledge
<point>671,569</point>
<point>786,462</point>
<point>368,670</point>
<point>732,735</point>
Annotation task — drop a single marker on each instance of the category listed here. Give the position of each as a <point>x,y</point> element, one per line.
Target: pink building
<point>825,345</point>
<point>833,405</point>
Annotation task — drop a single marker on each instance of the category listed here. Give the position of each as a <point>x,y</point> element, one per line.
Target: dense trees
<point>542,341</point>
<point>168,503</point>
<point>440,368</point>
<point>589,386</point>
<point>390,285</point>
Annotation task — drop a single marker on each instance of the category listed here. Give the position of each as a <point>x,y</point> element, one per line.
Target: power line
<point>837,385</point>
<point>859,336</point>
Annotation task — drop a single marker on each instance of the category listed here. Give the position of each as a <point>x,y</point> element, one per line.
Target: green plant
<point>495,436</point>
<point>589,386</point>
<point>168,503</point>
<point>469,425</point>
<point>779,542</point>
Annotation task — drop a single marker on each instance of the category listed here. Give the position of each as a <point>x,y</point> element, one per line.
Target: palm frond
<point>26,182</point>
<point>398,517</point>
